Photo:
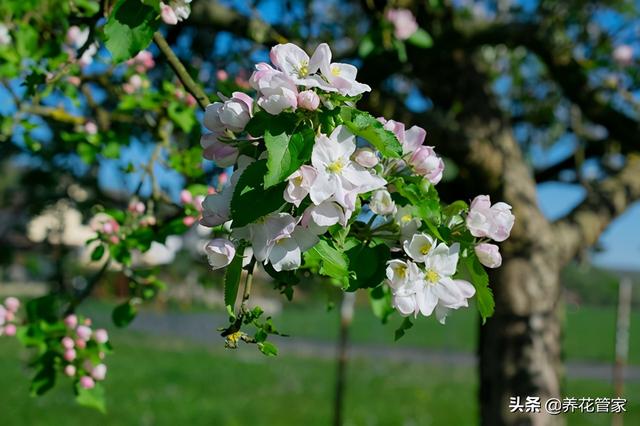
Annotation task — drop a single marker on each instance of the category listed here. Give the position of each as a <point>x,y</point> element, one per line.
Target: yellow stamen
<point>432,276</point>
<point>335,71</point>
<point>303,71</point>
<point>401,271</point>
<point>425,248</point>
<point>336,166</point>
<point>406,218</point>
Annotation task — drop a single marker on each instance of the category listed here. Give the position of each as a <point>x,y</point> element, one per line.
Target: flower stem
<point>181,72</point>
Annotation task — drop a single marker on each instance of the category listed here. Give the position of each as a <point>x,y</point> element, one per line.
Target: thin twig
<point>181,72</point>
<point>247,285</point>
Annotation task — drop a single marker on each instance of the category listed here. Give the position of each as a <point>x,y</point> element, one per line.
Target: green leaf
<point>406,325</point>
<point>129,28</point>
<point>480,280</point>
<point>44,380</point>
<point>232,283</point>
<point>366,46</point>
<point>380,298</point>
<point>332,262</point>
<point>250,199</point>
<point>45,308</point>
<point>366,126</point>
<point>286,153</point>
<point>97,253</point>
<point>369,265</point>
<point>268,348</point>
<point>92,398</point>
<point>124,314</point>
<point>421,38</point>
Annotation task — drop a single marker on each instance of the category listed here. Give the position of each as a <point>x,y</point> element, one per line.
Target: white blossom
<point>485,220</point>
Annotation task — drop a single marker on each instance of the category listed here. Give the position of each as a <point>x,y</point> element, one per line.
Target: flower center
<point>335,71</point>
<point>303,71</point>
<point>432,276</point>
<point>401,271</point>
<point>297,180</point>
<point>336,166</point>
<point>425,249</point>
<point>406,218</point>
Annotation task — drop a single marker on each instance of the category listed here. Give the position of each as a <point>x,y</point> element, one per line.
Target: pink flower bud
<point>87,322</point>
<point>222,75</point>
<point>12,304</point>
<point>10,330</point>
<point>71,321</point>
<point>80,344</point>
<point>69,355</point>
<point>74,80</point>
<point>198,202</point>
<point>70,370</point>
<point>366,157</point>
<point>186,197</point>
<point>84,332</point>
<point>67,342</point>
<point>489,255</point>
<point>188,220</point>
<point>137,207</point>
<point>309,100</point>
<point>403,21</point>
<point>223,154</point>
<point>9,316</point>
<point>220,252</point>
<point>91,127</point>
<point>101,335</point>
<point>87,382</point>
<point>99,372</point>
<point>623,55</point>
<point>114,239</point>
<point>426,163</point>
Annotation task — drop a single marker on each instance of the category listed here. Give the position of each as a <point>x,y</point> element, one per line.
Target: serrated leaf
<point>92,398</point>
<point>333,263</point>
<point>286,154</point>
<point>232,283</point>
<point>366,126</point>
<point>421,38</point>
<point>129,29</point>
<point>480,280</point>
<point>250,199</point>
<point>268,348</point>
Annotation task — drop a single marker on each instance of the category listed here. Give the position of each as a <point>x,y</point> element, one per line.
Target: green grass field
<point>155,381</point>
<point>589,332</point>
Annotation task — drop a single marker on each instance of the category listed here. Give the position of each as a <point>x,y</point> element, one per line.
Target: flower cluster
<point>489,221</point>
<point>175,11</point>
<point>8,320</point>
<point>313,172</point>
<point>424,283</point>
<point>82,352</point>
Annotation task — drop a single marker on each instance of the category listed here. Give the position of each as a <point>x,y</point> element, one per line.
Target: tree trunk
<point>520,349</point>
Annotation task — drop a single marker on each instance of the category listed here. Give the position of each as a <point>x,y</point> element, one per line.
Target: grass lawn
<point>589,332</point>
<point>155,381</point>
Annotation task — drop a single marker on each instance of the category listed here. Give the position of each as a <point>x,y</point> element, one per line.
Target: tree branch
<point>604,202</point>
<point>181,72</point>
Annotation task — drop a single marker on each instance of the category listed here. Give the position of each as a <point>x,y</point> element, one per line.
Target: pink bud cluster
<point>79,346</point>
<point>193,206</point>
<point>142,62</point>
<point>8,318</point>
